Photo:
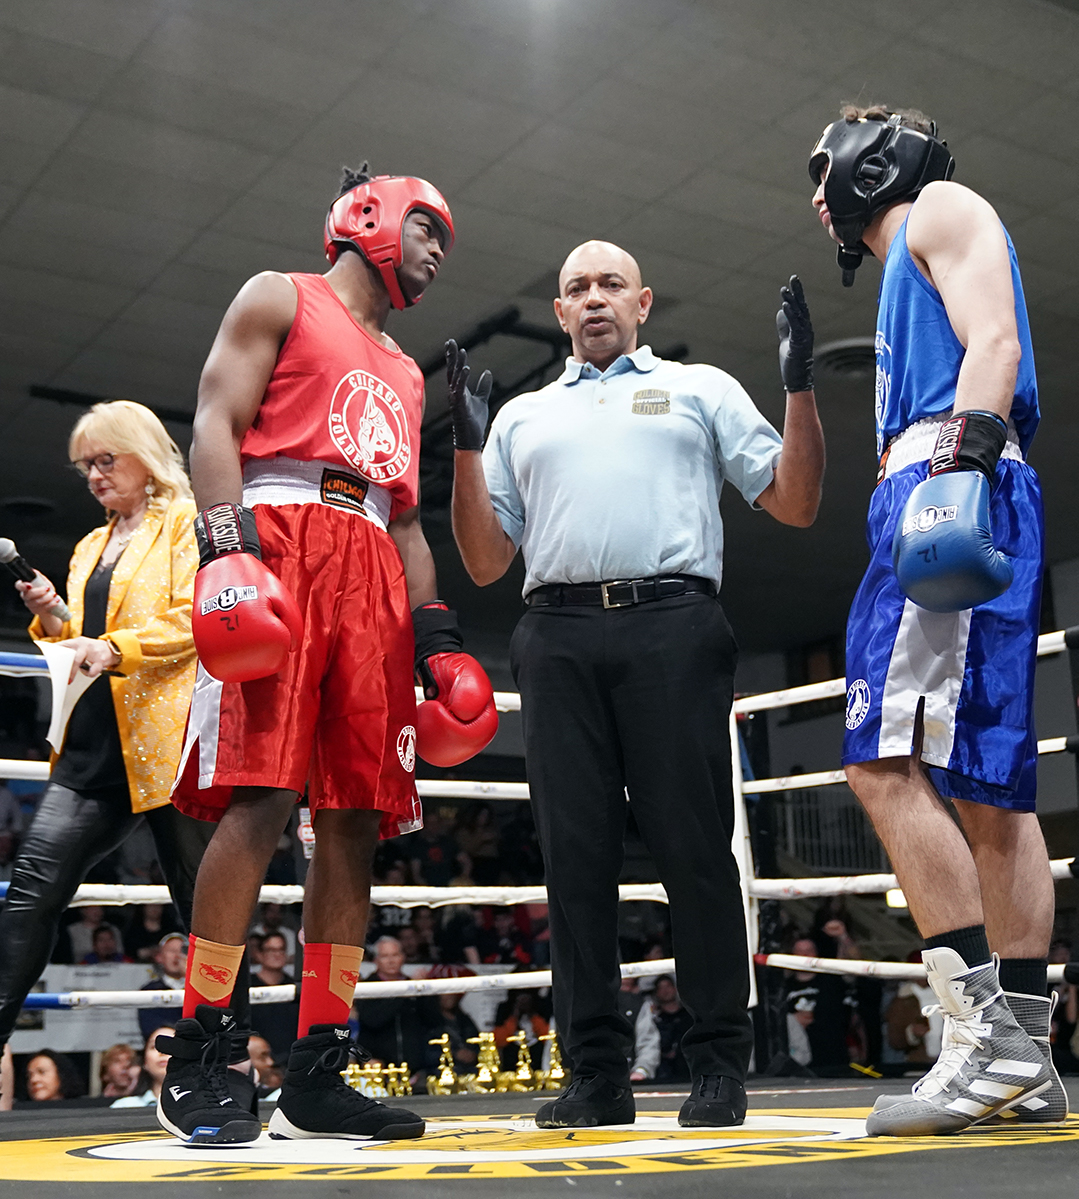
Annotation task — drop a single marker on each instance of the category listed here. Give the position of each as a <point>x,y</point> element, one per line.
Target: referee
<point>608,480</point>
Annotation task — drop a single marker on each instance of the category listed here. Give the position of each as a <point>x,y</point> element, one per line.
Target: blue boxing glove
<point>943,550</point>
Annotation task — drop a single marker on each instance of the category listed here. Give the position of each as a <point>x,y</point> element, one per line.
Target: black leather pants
<point>70,833</point>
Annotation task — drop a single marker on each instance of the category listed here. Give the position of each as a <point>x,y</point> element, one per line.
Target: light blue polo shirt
<point>617,475</point>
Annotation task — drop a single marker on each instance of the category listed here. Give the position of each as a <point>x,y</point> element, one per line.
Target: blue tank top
<point>919,355</point>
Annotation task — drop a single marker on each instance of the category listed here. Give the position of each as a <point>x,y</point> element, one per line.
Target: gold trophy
<point>398,1080</point>
<point>367,1079</point>
<point>521,1078</point>
<point>445,1082</point>
<point>486,1076</point>
<point>554,1078</point>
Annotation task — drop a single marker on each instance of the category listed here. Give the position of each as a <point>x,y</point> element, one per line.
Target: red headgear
<point>371,217</point>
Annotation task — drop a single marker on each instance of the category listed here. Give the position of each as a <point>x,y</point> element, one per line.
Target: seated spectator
<point>822,1005</point>
<point>503,941</point>
<point>455,1022</point>
<point>79,940</point>
<point>433,851</point>
<point>478,835</point>
<point>673,1022</point>
<point>416,953</point>
<point>274,920</point>
<point>457,939</point>
<point>148,1083</point>
<point>397,1029</point>
<point>142,936</point>
<point>642,1045</point>
<point>426,929</point>
<point>119,1071</point>
<point>51,1076</point>
<point>521,1012</point>
<point>170,965</point>
<point>270,1071</point>
<point>520,852</point>
<point>831,931</point>
<point>106,948</point>
<point>275,1021</point>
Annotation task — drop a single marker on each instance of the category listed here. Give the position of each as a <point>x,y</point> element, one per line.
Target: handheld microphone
<point>22,570</point>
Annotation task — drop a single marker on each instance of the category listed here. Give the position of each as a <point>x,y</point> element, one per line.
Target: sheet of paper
<point>64,694</point>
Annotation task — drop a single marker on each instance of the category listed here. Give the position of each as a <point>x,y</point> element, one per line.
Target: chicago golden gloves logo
<point>221,975</point>
<point>406,748</point>
<point>368,425</point>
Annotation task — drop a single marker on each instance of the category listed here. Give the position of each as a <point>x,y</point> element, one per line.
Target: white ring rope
<point>911,971</point>
<point>364,990</point>
<point>117,895</point>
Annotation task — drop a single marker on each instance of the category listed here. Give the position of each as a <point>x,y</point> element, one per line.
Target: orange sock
<point>211,973</point>
<point>330,974</point>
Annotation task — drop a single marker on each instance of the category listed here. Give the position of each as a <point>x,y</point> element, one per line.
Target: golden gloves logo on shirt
<point>651,402</point>
<point>368,426</point>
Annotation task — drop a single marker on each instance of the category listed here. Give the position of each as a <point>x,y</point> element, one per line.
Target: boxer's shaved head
<point>599,257</point>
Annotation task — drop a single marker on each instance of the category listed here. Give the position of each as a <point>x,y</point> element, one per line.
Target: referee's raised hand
<point>468,409</point>
<point>795,331</point>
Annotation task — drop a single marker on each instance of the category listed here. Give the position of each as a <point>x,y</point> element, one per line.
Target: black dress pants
<point>70,833</point>
<point>636,698</point>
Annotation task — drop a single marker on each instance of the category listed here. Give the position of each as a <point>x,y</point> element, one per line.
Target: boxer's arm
<point>486,550</point>
<point>233,382</point>
<point>407,533</point>
<point>957,237</point>
<point>793,496</point>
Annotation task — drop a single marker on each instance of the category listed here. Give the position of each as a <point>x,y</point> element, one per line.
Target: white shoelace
<point>962,1035</point>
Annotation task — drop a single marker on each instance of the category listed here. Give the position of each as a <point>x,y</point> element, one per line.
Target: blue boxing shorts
<point>973,669</point>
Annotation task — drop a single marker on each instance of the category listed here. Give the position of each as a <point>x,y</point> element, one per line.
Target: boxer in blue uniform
<point>942,635</point>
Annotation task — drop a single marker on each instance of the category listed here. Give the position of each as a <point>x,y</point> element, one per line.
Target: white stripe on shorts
<point>927,660</point>
<point>203,726</point>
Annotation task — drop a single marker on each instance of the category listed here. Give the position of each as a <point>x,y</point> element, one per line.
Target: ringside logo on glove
<point>928,519</point>
<point>227,599</point>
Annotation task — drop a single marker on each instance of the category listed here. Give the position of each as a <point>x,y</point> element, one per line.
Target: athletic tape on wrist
<point>969,441</point>
<point>226,529</point>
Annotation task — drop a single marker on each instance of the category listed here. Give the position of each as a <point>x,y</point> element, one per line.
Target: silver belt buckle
<point>620,583</point>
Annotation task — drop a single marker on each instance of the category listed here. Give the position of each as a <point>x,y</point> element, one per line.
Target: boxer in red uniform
<point>315,605</point>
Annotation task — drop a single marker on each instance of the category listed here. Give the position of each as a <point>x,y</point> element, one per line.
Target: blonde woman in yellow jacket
<point>129,591</point>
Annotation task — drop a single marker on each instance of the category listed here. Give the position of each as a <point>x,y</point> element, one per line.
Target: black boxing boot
<point>715,1101</point>
<point>587,1102</point>
<point>317,1102</point>
<point>195,1104</point>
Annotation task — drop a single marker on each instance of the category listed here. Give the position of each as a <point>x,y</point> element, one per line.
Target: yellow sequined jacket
<point>149,623</point>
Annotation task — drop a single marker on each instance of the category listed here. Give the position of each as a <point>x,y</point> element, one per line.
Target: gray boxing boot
<point>1034,1014</point>
<point>987,1062</point>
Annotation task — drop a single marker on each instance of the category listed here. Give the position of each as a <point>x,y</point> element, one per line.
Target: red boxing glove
<point>244,621</point>
<point>462,719</point>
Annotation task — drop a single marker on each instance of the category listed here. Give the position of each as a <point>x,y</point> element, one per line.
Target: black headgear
<point>873,164</point>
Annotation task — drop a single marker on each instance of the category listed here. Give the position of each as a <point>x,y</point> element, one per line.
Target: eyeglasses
<point>103,462</point>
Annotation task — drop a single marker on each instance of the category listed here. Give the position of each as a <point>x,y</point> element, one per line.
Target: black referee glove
<point>795,331</point>
<point>468,409</point>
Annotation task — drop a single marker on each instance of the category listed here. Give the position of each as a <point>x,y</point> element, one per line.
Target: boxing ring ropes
<point>753,888</point>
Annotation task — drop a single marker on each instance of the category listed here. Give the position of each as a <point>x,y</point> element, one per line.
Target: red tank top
<point>337,395</point>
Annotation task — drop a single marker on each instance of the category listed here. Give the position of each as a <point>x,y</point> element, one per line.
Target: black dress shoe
<point>715,1102</point>
<point>587,1102</point>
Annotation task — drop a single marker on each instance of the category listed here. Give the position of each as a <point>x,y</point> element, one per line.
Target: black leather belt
<point>620,593</point>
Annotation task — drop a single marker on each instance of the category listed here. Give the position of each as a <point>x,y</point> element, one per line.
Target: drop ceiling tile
<point>53,68</point>
<point>592,30</point>
<point>294,225</point>
<point>138,377</point>
<point>78,259</point>
<point>592,211</point>
<point>64,217</point>
<point>198,285</point>
<point>33,117</point>
<point>111,27</point>
<point>153,311</point>
<point>136,189</point>
<point>179,344</point>
<point>555,150</point>
<point>502,232</point>
<point>166,150</point>
<point>203,106</point>
<point>9,195</point>
<point>63,294</point>
<point>22,161</point>
<point>239,59</point>
<point>707,241</point>
<point>243,257</point>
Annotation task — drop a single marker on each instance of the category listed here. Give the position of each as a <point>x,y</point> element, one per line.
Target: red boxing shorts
<point>339,721</point>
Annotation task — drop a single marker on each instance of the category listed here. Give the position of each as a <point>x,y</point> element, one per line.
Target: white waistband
<point>916,443</point>
<point>289,481</point>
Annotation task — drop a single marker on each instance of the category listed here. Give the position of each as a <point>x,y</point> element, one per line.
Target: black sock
<point>1024,976</point>
<point>970,943</point>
